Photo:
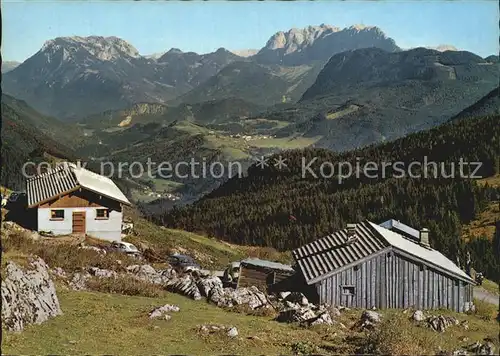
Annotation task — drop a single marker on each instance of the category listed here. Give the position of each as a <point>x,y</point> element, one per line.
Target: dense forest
<point>23,141</point>
<point>283,209</point>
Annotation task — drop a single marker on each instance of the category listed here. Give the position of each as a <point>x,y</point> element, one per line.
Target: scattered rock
<point>369,319</point>
<point>92,248</point>
<point>28,296</point>
<point>465,324</point>
<point>78,282</point>
<point>418,315</point>
<point>59,272</point>
<point>297,297</point>
<point>102,273</point>
<point>283,295</point>
<point>147,274</point>
<point>323,318</point>
<point>334,312</point>
<point>216,328</point>
<point>482,349</point>
<point>161,311</point>
<point>441,323</point>
<point>300,315</point>
<point>371,316</point>
<point>459,353</point>
<point>233,332</point>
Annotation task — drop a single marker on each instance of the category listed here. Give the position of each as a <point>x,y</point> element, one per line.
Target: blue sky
<point>205,26</point>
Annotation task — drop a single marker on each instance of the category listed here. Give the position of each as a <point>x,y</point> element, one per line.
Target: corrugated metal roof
<point>98,184</point>
<point>50,184</point>
<point>67,177</point>
<point>321,258</point>
<point>431,256</point>
<point>331,252</point>
<point>267,264</point>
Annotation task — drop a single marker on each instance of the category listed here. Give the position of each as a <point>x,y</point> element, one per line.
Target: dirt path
<point>483,294</point>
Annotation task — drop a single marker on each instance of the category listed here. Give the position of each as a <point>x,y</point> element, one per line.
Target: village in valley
<point>309,250</point>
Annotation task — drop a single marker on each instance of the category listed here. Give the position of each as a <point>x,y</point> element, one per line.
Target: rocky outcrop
<point>300,46</point>
<point>28,295</point>
<point>441,323</point>
<point>185,285</point>
<point>78,281</point>
<point>102,273</point>
<point>148,274</point>
<point>161,312</point>
<point>229,297</point>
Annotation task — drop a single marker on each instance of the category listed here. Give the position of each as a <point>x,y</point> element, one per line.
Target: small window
<point>348,290</point>
<point>102,214</point>
<point>57,214</point>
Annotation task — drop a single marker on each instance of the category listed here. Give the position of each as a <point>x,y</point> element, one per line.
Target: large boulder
<point>228,297</point>
<point>369,319</point>
<point>185,285</point>
<point>206,284</point>
<point>28,295</point>
<point>418,315</point>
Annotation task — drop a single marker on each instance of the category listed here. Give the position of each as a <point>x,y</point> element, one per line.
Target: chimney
<point>424,238</point>
<point>351,230</point>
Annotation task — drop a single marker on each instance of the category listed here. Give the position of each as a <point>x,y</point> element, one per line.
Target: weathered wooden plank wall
<point>393,281</point>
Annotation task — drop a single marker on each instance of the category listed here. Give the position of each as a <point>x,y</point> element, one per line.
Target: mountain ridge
<point>299,46</point>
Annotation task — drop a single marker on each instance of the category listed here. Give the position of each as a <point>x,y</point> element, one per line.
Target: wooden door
<point>79,222</point>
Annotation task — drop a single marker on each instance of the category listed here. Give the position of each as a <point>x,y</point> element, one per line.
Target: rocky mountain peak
<point>174,50</point>
<point>103,48</point>
<point>300,45</point>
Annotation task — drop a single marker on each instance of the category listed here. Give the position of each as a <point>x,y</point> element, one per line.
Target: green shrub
<point>396,336</point>
<point>485,310</point>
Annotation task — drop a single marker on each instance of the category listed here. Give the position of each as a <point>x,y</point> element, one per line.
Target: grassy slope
<point>484,224</point>
<point>211,253</point>
<point>491,287</point>
<point>103,323</point>
<point>98,323</point>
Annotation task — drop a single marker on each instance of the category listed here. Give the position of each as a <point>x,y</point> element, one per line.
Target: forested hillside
<point>28,136</point>
<point>282,209</point>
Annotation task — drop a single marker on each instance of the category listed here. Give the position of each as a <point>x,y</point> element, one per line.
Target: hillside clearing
<point>484,224</point>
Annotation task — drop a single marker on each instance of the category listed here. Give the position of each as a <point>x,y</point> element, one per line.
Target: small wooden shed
<point>262,274</point>
<point>367,265</point>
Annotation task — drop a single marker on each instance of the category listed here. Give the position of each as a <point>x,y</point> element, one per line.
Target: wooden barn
<point>262,274</point>
<point>367,265</point>
<point>72,200</point>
